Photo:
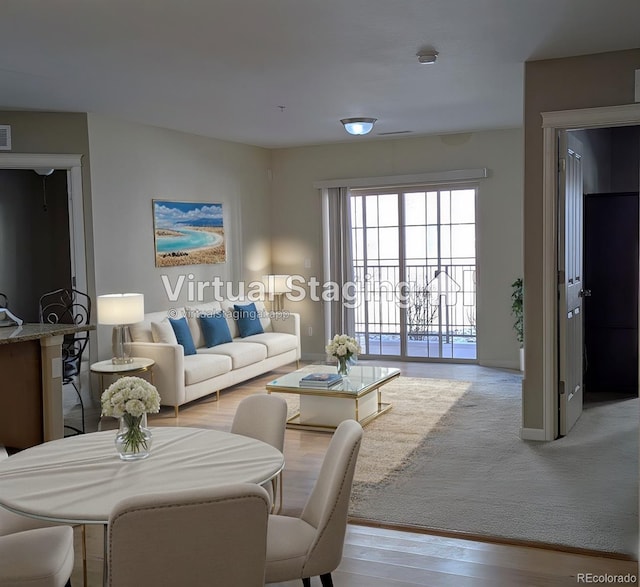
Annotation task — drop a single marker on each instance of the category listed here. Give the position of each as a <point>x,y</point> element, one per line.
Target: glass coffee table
<point>358,396</point>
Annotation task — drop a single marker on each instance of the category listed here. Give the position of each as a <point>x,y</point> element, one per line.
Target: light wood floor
<point>377,557</point>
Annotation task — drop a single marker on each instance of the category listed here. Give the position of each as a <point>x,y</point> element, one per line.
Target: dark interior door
<point>611,311</point>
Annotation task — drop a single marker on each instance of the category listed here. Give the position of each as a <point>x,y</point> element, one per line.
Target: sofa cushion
<point>276,342</point>
<point>229,311</point>
<point>141,331</point>
<point>241,353</point>
<point>183,335</point>
<point>193,313</point>
<point>163,332</point>
<point>215,329</point>
<point>200,367</point>
<point>248,319</point>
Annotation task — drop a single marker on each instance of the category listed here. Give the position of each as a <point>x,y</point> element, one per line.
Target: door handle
<point>585,293</point>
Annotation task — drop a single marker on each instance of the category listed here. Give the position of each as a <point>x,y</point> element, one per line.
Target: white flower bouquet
<point>343,347</point>
<point>130,398</point>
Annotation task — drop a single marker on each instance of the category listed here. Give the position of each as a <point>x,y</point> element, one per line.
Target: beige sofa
<point>182,378</point>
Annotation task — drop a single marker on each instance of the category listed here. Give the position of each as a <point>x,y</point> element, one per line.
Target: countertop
<point>11,334</point>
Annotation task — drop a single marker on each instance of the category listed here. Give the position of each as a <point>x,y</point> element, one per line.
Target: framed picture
<point>188,233</point>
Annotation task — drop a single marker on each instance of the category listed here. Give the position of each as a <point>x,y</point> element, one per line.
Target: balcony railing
<point>433,307</point>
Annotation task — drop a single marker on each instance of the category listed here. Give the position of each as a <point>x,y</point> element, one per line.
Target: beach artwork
<point>188,233</point>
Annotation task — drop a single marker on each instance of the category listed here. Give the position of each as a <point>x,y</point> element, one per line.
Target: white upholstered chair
<point>42,557</point>
<point>214,537</point>
<point>33,552</point>
<point>301,548</point>
<point>263,417</point>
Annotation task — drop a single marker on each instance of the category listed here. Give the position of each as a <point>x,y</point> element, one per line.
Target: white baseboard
<point>532,434</point>
<point>314,357</point>
<point>500,364</point>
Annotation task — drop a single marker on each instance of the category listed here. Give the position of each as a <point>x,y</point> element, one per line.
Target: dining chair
<point>11,523</point>
<point>41,557</point>
<point>69,306</point>
<point>214,537</point>
<point>263,417</point>
<point>309,545</point>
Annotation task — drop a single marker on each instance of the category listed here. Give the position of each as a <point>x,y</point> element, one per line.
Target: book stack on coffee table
<point>320,380</point>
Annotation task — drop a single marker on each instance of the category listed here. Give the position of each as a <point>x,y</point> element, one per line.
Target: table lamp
<point>120,310</point>
<point>276,287</point>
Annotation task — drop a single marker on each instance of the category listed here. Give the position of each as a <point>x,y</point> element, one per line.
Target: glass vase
<point>344,365</point>
<point>133,440</point>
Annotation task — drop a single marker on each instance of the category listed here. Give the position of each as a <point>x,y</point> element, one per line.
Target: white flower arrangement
<point>343,347</point>
<point>131,396</point>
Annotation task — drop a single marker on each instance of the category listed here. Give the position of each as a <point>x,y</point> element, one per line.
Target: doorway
<point>70,166</point>
<point>69,253</point>
<point>553,122</point>
<point>35,234</point>
<point>611,261</point>
<point>611,309</point>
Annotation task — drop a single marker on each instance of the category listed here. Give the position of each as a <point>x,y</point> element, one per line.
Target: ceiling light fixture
<point>427,57</point>
<point>358,126</point>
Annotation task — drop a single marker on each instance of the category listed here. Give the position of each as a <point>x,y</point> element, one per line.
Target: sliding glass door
<point>414,267</point>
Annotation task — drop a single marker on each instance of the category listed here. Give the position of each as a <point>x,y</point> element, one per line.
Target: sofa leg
<point>217,395</point>
<point>297,363</point>
<point>326,580</point>
<point>306,581</point>
<point>176,409</point>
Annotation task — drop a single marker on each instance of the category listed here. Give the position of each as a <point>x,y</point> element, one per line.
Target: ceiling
<point>279,73</point>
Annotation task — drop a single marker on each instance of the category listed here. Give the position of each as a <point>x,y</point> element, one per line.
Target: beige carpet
<point>448,457</point>
<point>390,439</point>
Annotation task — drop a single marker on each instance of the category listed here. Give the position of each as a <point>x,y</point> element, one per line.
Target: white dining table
<point>78,480</point>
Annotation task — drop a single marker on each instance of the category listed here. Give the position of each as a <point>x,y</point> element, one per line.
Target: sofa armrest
<point>288,323</point>
<point>168,372</point>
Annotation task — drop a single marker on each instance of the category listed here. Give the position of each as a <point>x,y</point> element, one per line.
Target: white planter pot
<point>522,359</point>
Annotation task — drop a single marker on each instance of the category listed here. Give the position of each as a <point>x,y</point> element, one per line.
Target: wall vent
<point>5,137</point>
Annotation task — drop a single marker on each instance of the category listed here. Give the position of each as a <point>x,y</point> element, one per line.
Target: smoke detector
<point>427,57</point>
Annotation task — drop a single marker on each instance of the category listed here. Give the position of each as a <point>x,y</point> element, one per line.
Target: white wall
<point>131,164</point>
<point>297,228</point>
<point>279,221</point>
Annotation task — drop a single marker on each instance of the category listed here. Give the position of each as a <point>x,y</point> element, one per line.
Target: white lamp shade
<point>276,284</point>
<point>125,308</point>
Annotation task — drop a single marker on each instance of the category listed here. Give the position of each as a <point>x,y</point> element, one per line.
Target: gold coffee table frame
<point>358,386</point>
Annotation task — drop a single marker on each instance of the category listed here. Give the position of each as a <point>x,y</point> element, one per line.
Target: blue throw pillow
<point>248,320</point>
<point>183,335</point>
<point>215,329</point>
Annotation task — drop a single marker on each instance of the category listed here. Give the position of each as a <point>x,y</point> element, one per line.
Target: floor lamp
<point>276,287</point>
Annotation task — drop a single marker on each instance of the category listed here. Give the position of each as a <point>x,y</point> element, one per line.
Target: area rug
<point>448,457</point>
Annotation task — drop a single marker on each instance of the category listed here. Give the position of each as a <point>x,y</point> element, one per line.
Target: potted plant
<point>517,311</point>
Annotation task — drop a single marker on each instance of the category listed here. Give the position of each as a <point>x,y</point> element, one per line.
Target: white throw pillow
<point>163,332</point>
